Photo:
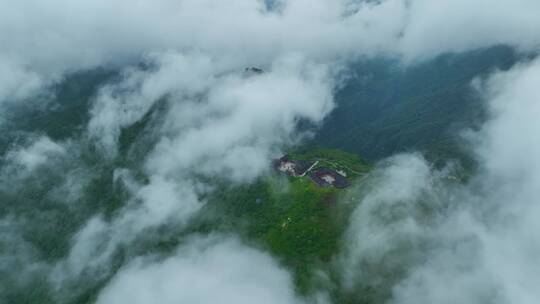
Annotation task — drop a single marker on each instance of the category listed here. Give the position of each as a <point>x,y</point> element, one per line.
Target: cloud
<point>434,240</point>
<point>435,27</point>
<point>385,217</point>
<point>221,124</point>
<point>45,42</point>
<point>121,104</point>
<point>52,168</point>
<point>17,256</point>
<point>242,121</point>
<point>36,154</point>
<point>25,161</point>
<point>204,270</point>
<point>158,203</point>
<point>17,82</point>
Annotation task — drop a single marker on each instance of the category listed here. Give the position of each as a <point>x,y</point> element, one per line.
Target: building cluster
<point>323,177</point>
<point>292,167</point>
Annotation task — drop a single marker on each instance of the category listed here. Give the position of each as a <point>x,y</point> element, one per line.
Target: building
<point>252,71</point>
<point>325,177</point>
<point>291,167</point>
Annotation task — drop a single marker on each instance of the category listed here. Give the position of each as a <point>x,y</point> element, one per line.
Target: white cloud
<point>158,203</point>
<point>49,38</point>
<point>383,219</point>
<point>16,81</point>
<point>434,27</point>
<point>220,124</point>
<point>203,270</point>
<point>450,243</point>
<point>234,131</point>
<point>17,256</point>
<point>121,104</point>
<point>37,153</point>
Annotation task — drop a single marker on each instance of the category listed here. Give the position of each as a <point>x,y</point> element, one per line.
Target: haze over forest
<point>142,144</point>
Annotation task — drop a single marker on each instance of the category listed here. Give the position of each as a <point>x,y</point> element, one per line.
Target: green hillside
<point>382,109</point>
<point>298,221</point>
<point>385,107</point>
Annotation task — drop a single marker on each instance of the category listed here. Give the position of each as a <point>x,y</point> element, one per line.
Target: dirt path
<point>337,165</point>
<point>309,169</point>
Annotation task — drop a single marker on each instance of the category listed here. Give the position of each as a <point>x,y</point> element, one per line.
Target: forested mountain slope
<point>385,107</point>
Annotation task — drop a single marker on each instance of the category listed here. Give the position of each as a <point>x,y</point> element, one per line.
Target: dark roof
<point>254,70</point>
<point>300,166</point>
<point>339,180</point>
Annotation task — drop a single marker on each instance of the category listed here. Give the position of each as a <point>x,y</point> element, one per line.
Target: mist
<point>180,115</point>
<point>233,279</point>
<point>46,42</point>
<point>438,240</point>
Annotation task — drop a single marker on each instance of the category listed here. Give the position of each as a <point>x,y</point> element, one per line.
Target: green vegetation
<point>306,230</point>
<point>385,108</point>
<point>295,219</point>
<point>335,159</point>
<point>299,222</point>
<point>60,113</point>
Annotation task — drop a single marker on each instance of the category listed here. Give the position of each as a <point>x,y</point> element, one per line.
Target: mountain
<point>384,107</point>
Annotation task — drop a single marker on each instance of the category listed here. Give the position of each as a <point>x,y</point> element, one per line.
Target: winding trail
<point>337,165</point>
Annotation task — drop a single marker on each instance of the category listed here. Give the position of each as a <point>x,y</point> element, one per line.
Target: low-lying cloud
<point>221,124</point>
<point>47,39</point>
<point>204,270</point>
<point>416,229</point>
<point>434,240</point>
